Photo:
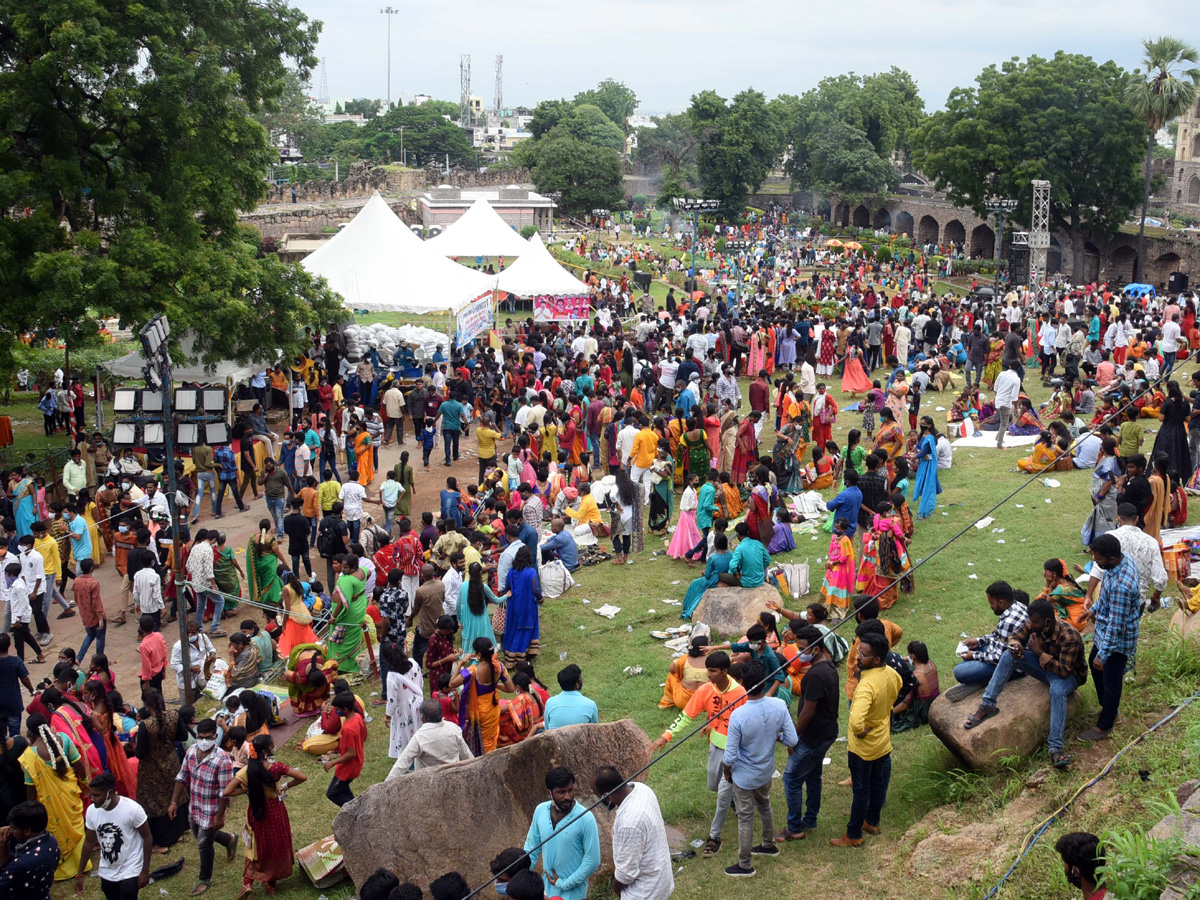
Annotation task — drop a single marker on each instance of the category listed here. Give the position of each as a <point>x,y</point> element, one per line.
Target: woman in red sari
<point>763,500</point>
<point>97,697</point>
<point>520,717</point>
<point>746,449</point>
<point>269,853</point>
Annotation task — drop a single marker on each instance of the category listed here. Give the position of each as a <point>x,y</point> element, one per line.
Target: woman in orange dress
<point>364,456</point>
<point>890,437</point>
<point>297,629</point>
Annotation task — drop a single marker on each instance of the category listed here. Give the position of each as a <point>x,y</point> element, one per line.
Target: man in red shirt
<point>1082,855</point>
<point>348,764</point>
<point>153,650</point>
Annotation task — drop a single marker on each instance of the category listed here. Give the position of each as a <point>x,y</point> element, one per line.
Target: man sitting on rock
<point>983,653</point>
<point>1051,651</point>
<point>749,563</point>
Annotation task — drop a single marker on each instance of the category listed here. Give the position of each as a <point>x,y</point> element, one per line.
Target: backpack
<point>327,537</point>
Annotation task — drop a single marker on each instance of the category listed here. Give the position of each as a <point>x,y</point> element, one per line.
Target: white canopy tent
<point>479,232</point>
<point>537,273</point>
<point>376,263</point>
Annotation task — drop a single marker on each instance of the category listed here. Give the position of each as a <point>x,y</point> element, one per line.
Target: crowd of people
<point>587,437</point>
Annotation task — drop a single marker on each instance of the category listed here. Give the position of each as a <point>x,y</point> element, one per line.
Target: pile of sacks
<point>388,339</point>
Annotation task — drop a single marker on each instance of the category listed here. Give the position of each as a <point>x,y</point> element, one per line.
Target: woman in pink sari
<point>68,720</point>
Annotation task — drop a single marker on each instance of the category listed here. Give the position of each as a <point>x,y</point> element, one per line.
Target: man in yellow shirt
<point>329,491</point>
<point>588,512</point>
<point>642,456</point>
<point>487,436</point>
<point>869,752</point>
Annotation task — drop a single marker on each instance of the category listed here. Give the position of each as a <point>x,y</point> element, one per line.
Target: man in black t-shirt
<point>297,528</point>
<point>817,727</point>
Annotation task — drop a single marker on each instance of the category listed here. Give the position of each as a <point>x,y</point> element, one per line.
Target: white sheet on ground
<point>986,439</point>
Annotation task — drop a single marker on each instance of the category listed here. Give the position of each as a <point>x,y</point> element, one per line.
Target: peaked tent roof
<point>376,263</point>
<point>537,272</point>
<point>479,232</point>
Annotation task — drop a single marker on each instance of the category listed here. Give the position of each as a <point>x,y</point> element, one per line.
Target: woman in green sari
<point>227,573</point>
<point>404,475</point>
<point>662,493</point>
<point>349,609</point>
<point>694,448</point>
<point>263,559</point>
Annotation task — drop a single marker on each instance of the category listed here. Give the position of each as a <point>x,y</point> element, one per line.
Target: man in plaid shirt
<point>983,653</point>
<point>206,771</point>
<point>1117,614</point>
<point>1051,651</point>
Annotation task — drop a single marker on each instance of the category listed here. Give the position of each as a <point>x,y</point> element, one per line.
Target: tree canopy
<point>739,142</point>
<point>1063,119</point>
<point>585,175</point>
<point>614,99</point>
<point>129,142</point>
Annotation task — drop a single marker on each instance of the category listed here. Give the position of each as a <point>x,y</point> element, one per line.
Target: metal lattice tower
<point>1039,233</point>
<point>464,80</point>
<point>323,92</point>
<point>499,82</point>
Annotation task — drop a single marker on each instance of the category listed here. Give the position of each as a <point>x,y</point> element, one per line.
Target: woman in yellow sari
<point>1043,456</point>
<point>890,437</point>
<point>91,515</point>
<point>364,456</point>
<point>1066,595</point>
<point>54,770</point>
<point>479,706</point>
<point>675,430</point>
<point>685,676</point>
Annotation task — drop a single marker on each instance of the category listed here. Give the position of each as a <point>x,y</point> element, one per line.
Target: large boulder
<point>1020,728</point>
<point>729,610</point>
<point>459,816</point>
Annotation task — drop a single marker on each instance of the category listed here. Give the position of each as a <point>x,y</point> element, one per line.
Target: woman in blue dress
<point>718,562</point>
<point>926,486</point>
<point>521,627</point>
<point>23,499</point>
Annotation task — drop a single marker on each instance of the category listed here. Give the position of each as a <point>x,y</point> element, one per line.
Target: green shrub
<point>528,231</point>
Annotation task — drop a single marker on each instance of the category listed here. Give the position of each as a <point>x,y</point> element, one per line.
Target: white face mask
<point>205,745</point>
<point>125,485</point>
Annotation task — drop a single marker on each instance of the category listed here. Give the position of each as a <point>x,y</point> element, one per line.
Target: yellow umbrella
<point>853,245</point>
<point>833,242</point>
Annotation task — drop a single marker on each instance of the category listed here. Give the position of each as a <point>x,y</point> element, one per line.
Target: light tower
<point>323,90</point>
<point>464,80</point>
<point>1039,232</point>
<point>499,82</point>
<point>389,12</point>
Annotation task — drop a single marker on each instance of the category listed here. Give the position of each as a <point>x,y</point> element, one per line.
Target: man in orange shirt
<point>642,456</point>
<point>713,701</point>
<point>153,650</point>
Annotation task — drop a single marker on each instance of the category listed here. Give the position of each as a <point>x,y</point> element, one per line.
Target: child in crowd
<point>427,438</point>
<point>838,585</point>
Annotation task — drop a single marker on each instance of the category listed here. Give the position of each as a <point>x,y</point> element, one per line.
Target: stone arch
<point>841,214</point>
<point>883,219</point>
<point>1124,262</point>
<point>927,230</point>
<point>955,231</point>
<point>862,217</point>
<point>1193,191</point>
<point>1091,263</point>
<point>983,242</point>
<point>1196,147</point>
<point>904,223</point>
<point>1164,266</point>
<point>824,210</point>
<point>913,178</point>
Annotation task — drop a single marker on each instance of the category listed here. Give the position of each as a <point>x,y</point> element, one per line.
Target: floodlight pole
<point>1001,207</point>
<point>154,345</point>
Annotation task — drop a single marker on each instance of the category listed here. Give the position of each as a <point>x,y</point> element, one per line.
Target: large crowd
<point>588,436</point>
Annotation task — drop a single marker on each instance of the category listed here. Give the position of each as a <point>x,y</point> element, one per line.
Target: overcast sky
<point>666,50</point>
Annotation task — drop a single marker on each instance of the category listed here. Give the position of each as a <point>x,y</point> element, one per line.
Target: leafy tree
<point>130,142</point>
<point>442,108</point>
<point>361,106</point>
<point>842,161</point>
<point>546,115</point>
<point>1064,119</point>
<point>1165,90</point>
<point>586,176</point>
<point>671,144</point>
<point>293,115</point>
<point>739,143</point>
<point>617,101</point>
<point>337,109</point>
<point>589,124</point>
<point>427,135</point>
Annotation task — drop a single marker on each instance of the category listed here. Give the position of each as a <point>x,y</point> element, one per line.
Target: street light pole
<point>1002,207</point>
<point>158,374</point>
<point>695,206</point>
<point>401,142</point>
<point>389,12</point>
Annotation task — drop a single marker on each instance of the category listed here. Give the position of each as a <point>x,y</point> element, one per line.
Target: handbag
<point>601,530</point>
<point>499,619</point>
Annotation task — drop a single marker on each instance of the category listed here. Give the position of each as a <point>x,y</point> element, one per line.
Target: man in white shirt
<point>1087,450</point>
<point>352,495</point>
<point>147,593</point>
<point>1144,550</point>
<point>435,743</point>
<point>1008,388</point>
<point>14,592</point>
<point>808,381</point>
<point>1047,335</point>
<point>1170,343</point>
<point>626,436</point>
<point>202,654</point>
<point>200,573</point>
<point>945,453</point>
<point>33,570</point>
<point>74,476</point>
<point>641,856</point>
<point>154,499</point>
<point>119,828</point>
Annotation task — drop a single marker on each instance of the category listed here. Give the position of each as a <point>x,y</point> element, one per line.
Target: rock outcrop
<point>459,816</point>
<point>1020,728</point>
<point>729,611</point>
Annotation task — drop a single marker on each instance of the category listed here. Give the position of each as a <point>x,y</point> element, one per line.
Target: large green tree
<point>428,136</point>
<point>1163,90</point>
<point>128,144</point>
<point>585,176</point>
<point>843,162</point>
<point>739,142</point>
<point>589,124</point>
<point>547,114</point>
<point>1065,120</point>
<point>615,99</point>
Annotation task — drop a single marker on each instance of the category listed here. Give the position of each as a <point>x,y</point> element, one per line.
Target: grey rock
<point>729,610</point>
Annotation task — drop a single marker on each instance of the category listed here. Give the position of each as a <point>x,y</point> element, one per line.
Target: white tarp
<point>131,365</point>
<point>479,232</point>
<point>538,273</point>
<point>377,263</point>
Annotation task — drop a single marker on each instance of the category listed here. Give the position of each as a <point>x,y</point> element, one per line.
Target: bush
<point>528,231</point>
<point>883,254</point>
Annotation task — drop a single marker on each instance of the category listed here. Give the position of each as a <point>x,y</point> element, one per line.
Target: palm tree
<point>1166,89</point>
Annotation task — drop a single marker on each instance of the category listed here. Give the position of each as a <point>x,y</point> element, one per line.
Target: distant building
<point>1183,192</point>
<point>516,205</point>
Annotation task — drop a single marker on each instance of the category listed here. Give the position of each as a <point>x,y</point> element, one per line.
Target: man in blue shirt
<point>451,413</point>
<point>749,762</point>
<point>570,707</point>
<point>847,504</point>
<point>561,545</point>
<point>1118,616</point>
<point>749,563</point>
<point>706,508</point>
<point>81,538</point>
<point>572,852</point>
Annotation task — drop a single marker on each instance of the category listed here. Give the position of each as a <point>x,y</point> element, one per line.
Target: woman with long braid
<point>55,776</point>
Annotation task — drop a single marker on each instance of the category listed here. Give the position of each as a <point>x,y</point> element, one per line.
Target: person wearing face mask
<point>205,771</point>
<point>1052,652</point>
<point>572,852</point>
<point>203,654</point>
<point>1082,855</point>
<point>507,864</point>
<point>817,728</point>
<point>120,829</point>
